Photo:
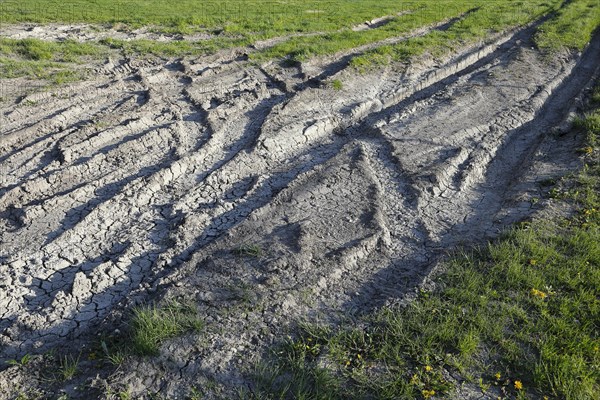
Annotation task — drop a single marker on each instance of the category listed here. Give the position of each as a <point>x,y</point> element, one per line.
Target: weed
<point>116,357</point>
<point>22,362</point>
<point>68,367</point>
<point>195,394</point>
<point>30,394</point>
<point>124,395</point>
<point>249,250</point>
<point>337,84</point>
<point>152,325</point>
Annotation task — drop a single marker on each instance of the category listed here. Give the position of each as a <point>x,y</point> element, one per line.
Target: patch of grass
<point>417,15</point>
<point>54,73</point>
<point>152,325</point>
<point>42,50</point>
<point>116,357</point>
<point>520,314</point>
<point>572,27</point>
<point>30,394</point>
<point>336,84</point>
<point>54,62</point>
<point>68,367</point>
<point>22,362</point>
<point>249,250</point>
<point>486,19</point>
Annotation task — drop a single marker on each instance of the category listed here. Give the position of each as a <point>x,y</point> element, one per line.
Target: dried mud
<point>141,184</point>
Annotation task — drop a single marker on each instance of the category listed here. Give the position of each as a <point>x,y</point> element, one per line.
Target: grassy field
<point>519,317</point>
<point>241,23</point>
<point>232,16</point>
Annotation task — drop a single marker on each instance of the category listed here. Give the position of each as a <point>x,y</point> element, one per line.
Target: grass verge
<point>572,27</point>
<point>519,318</point>
<point>488,19</point>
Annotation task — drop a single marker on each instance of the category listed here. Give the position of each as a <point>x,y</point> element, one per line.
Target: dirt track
<point>142,182</point>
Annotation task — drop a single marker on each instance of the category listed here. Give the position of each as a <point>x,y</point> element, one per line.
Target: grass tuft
<point>152,325</point>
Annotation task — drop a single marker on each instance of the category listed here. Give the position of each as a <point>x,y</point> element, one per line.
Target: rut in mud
<point>145,180</point>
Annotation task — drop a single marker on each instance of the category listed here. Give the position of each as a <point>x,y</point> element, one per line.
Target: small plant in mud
<point>336,84</point>
<point>30,394</point>
<point>124,395</point>
<point>152,325</point>
<point>21,362</point>
<point>68,367</point>
<point>115,357</point>
<point>249,250</point>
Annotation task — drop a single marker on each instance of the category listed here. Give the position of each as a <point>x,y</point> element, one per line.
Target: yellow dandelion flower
<point>518,385</point>
<point>538,293</point>
<point>497,376</point>
<point>428,393</point>
<point>428,368</point>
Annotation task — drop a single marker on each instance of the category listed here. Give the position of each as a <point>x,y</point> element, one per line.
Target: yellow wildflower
<point>497,376</point>
<point>538,293</point>
<point>428,393</point>
<point>428,368</point>
<point>532,261</point>
<point>518,385</point>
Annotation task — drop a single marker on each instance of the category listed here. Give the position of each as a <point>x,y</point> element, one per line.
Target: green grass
<point>572,27</point>
<point>336,84</point>
<point>55,62</point>
<point>418,15</point>
<point>249,250</point>
<point>152,325</point>
<point>68,367</point>
<point>488,19</point>
<point>521,315</point>
<point>231,16</point>
<point>21,362</point>
<point>239,24</point>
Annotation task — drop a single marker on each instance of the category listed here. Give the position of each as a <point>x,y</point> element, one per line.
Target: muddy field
<point>265,194</point>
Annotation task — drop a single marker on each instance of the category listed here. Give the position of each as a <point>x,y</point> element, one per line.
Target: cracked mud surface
<point>141,183</point>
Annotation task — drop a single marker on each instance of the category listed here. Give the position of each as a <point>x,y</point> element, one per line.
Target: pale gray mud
<point>152,180</point>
